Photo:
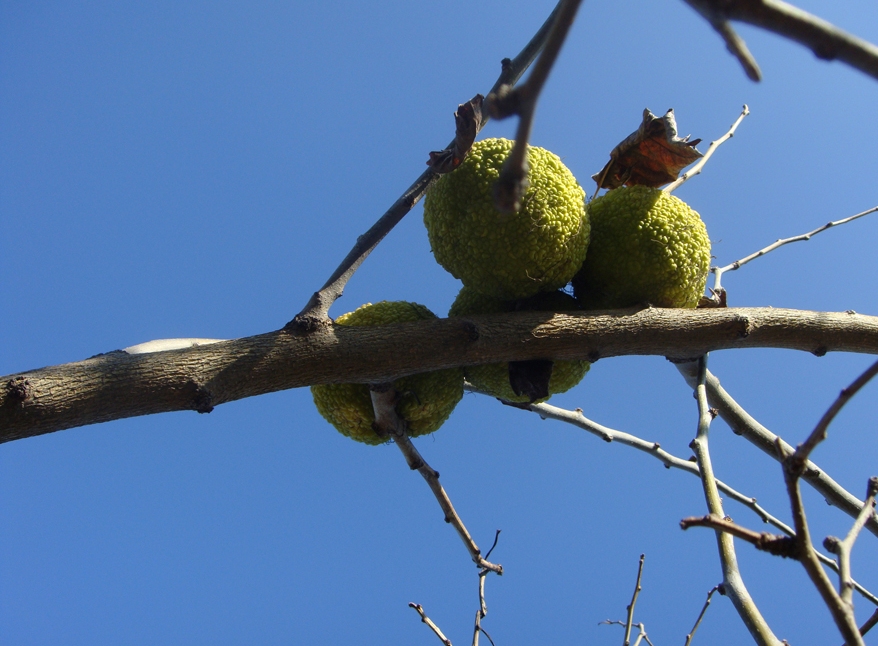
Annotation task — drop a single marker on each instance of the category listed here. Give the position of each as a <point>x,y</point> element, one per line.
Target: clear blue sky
<point>177,169</point>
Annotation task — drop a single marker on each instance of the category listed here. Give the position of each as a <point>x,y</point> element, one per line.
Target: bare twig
<point>316,311</point>
<point>701,614</point>
<point>827,41</point>
<point>482,612</point>
<point>389,423</point>
<point>803,451</point>
<point>842,548</point>
<point>719,271</point>
<point>523,101</point>
<point>642,636</point>
<point>735,44</point>
<point>841,613</point>
<point>869,624</point>
<point>629,620</point>
<point>794,464</point>
<point>670,461</point>
<point>425,619</point>
<point>772,543</point>
<point>696,169</point>
<point>733,584</point>
<point>742,423</point>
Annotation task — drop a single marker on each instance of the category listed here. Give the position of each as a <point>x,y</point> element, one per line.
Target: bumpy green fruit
<point>508,255</point>
<point>646,247</point>
<point>426,400</point>
<point>494,378</point>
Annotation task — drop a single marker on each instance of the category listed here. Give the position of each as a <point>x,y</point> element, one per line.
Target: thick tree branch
<point>823,38</point>
<point>118,385</point>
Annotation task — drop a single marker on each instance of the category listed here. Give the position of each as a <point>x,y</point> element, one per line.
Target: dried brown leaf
<point>652,155</point>
<point>467,119</point>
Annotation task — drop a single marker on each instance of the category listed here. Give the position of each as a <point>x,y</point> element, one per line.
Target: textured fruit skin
<point>493,378</point>
<point>646,247</point>
<point>426,400</point>
<point>508,255</point>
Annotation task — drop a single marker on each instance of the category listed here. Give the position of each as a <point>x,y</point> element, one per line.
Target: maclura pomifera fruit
<point>425,400</point>
<point>508,255</point>
<point>502,380</point>
<point>647,247</point>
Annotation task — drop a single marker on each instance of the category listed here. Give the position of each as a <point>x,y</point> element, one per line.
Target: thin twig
<point>696,169</point>
<point>315,312</point>
<point>701,614</point>
<point>869,624</point>
<point>734,43</point>
<point>794,465</point>
<point>629,620</point>
<point>670,461</point>
<point>803,451</point>
<point>425,619</point>
<point>522,101</point>
<point>732,581</point>
<point>743,424</point>
<point>719,271</point>
<point>388,422</point>
<point>841,613</point>
<point>827,41</point>
<point>641,630</point>
<point>844,547</point>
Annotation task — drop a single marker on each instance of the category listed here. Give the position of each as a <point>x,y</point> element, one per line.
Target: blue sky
<point>177,169</point>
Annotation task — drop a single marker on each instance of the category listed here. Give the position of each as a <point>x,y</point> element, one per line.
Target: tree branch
<point>733,582</point>
<point>743,424</point>
<point>118,385</point>
<point>827,41</point>
<point>316,310</point>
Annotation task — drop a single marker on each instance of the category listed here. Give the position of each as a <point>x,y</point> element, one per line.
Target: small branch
<point>425,619</point>
<point>843,548</point>
<point>315,313</point>
<point>719,271</point>
<point>803,451</point>
<point>696,169</point>
<point>389,423</point>
<point>670,461</point>
<point>841,613</point>
<point>630,608</point>
<point>641,630</point>
<point>701,614</point>
<point>870,623</point>
<point>784,546</point>
<point>522,101</point>
<point>482,612</point>
<point>734,43</point>
<point>743,424</point>
<point>827,41</point>
<point>732,581</point>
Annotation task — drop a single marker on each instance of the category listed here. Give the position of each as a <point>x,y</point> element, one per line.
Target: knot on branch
<point>305,324</point>
<point>18,391</point>
<point>784,546</point>
<point>202,401</point>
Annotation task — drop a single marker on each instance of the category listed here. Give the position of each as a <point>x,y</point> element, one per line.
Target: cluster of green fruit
<point>633,245</point>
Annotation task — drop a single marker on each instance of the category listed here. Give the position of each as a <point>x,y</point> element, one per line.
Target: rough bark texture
<point>118,385</point>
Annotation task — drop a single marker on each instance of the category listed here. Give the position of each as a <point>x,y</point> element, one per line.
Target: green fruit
<point>425,400</point>
<point>647,246</point>
<point>493,378</point>
<point>508,255</point>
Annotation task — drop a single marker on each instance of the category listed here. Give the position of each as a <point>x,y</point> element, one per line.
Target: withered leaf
<point>652,155</point>
<point>468,120</point>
